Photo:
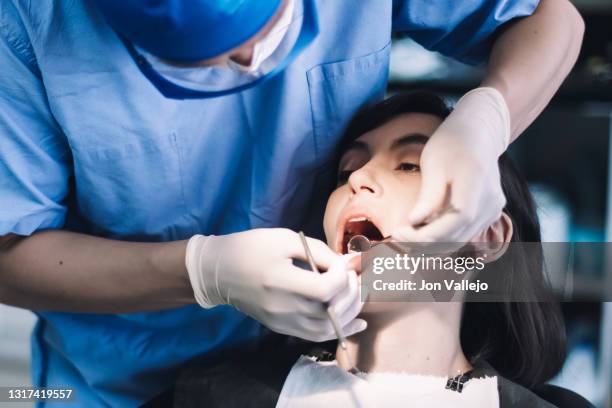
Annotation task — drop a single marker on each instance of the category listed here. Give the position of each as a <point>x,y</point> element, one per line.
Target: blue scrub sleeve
<point>34,156</point>
<point>461,29</point>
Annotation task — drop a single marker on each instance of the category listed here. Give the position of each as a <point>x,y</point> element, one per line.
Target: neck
<point>413,338</point>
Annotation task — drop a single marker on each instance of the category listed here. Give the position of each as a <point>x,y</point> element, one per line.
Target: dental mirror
<point>358,243</point>
<point>361,243</point>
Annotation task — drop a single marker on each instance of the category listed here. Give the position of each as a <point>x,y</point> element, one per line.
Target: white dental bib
<point>324,384</point>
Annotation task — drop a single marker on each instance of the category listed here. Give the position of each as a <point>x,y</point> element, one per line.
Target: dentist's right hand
<point>253,271</point>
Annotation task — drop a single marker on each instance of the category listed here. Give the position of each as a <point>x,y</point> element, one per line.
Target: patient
<point>410,349</point>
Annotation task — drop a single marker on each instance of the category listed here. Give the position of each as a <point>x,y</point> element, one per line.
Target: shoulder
<point>545,396</point>
<point>511,394</point>
<point>31,16</point>
<point>14,32</point>
<point>462,29</point>
<point>43,23</point>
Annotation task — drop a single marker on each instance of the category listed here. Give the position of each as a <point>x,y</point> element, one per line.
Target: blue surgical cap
<point>187,30</point>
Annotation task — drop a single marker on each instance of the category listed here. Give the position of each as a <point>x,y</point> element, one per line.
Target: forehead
<point>402,125</point>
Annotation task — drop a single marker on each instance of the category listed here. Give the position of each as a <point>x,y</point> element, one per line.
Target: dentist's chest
<point>246,156</point>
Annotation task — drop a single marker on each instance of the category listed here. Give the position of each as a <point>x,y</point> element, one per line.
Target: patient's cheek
<point>330,218</point>
<point>404,199</point>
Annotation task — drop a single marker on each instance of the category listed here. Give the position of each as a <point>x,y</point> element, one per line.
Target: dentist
<point>156,156</point>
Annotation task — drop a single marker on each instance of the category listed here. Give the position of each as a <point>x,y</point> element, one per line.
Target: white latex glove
<point>461,190</point>
<point>253,271</point>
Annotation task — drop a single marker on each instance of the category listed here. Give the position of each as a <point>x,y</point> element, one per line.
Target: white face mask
<point>269,43</point>
<point>230,73</point>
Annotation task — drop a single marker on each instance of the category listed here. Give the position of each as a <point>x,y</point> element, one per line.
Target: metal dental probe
<point>330,312</point>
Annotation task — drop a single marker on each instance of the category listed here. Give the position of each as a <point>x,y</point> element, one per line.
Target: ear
<point>493,241</point>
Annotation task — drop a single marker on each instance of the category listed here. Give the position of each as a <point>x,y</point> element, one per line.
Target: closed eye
<point>409,167</point>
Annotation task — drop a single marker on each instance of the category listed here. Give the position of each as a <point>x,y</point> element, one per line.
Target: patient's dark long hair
<point>524,341</point>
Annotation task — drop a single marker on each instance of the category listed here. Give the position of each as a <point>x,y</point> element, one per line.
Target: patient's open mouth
<point>360,226</point>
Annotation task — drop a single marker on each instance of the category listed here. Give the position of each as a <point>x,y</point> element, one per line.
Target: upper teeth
<point>351,220</point>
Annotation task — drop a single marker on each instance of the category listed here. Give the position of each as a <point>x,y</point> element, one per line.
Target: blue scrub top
<point>88,144</point>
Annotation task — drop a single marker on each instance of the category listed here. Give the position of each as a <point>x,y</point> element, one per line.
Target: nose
<point>363,180</point>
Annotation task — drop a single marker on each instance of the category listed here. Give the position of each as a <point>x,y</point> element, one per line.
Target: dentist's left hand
<point>253,271</point>
<point>461,192</point>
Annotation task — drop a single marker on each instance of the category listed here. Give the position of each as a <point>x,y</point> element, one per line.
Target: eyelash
<point>344,175</point>
<point>411,167</point>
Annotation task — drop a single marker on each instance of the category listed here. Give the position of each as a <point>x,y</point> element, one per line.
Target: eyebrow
<point>357,145</point>
<point>410,139</point>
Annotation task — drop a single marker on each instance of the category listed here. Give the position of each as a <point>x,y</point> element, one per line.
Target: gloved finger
<point>313,286</point>
<point>323,255</point>
<point>478,199</point>
<point>335,280</point>
<point>481,206</point>
<point>298,328</point>
<point>453,224</point>
<point>301,306</point>
<point>314,329</point>
<point>279,307</point>
<point>466,193</point>
<point>432,196</point>
<point>436,231</point>
<point>354,327</point>
<point>404,233</point>
<point>341,302</point>
<point>449,227</point>
<point>351,312</point>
